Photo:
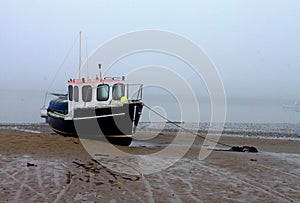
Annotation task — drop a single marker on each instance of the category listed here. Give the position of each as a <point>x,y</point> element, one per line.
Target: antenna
<point>99,65</point>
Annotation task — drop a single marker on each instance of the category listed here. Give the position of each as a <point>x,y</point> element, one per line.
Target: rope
<point>185,129</point>
<point>59,69</point>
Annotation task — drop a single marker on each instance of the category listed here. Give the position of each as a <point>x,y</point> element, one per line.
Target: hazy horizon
<point>253,44</point>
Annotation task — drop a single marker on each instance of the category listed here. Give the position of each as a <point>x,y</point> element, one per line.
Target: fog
<point>254,44</point>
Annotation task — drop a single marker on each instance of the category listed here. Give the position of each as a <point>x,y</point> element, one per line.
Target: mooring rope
<point>185,129</point>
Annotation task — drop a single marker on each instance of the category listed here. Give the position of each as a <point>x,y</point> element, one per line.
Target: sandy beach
<point>37,165</point>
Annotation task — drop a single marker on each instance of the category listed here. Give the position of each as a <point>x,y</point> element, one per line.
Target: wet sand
<point>45,167</point>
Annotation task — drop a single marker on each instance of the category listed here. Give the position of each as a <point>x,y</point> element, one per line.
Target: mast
<point>87,59</point>
<point>79,54</point>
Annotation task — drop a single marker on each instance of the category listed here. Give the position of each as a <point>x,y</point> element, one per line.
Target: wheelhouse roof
<point>90,81</point>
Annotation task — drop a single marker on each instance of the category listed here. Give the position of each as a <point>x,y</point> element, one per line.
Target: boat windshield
<point>102,92</point>
<point>118,91</point>
<point>87,93</point>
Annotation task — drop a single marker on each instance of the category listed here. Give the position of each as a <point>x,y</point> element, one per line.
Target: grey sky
<point>254,44</point>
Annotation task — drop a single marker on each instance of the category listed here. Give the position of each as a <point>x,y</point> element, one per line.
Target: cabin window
<point>118,91</point>
<point>70,92</point>
<point>87,93</point>
<point>102,92</point>
<point>76,94</point>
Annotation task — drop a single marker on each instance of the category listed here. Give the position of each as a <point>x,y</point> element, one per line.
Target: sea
<point>23,106</point>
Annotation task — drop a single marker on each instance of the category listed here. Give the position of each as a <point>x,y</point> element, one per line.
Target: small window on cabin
<point>87,93</point>
<point>118,91</point>
<point>76,94</point>
<point>70,92</point>
<point>102,92</point>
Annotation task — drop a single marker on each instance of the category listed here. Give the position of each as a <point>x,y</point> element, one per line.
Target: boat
<point>97,108</point>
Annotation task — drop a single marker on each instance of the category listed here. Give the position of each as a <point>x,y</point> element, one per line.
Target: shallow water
<point>249,130</point>
<point>271,130</point>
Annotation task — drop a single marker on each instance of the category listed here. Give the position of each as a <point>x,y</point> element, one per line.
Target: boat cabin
<point>97,93</point>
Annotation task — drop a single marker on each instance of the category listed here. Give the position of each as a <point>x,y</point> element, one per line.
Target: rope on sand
<point>232,148</point>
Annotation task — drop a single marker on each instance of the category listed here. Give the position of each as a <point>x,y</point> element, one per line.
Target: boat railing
<point>134,91</point>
